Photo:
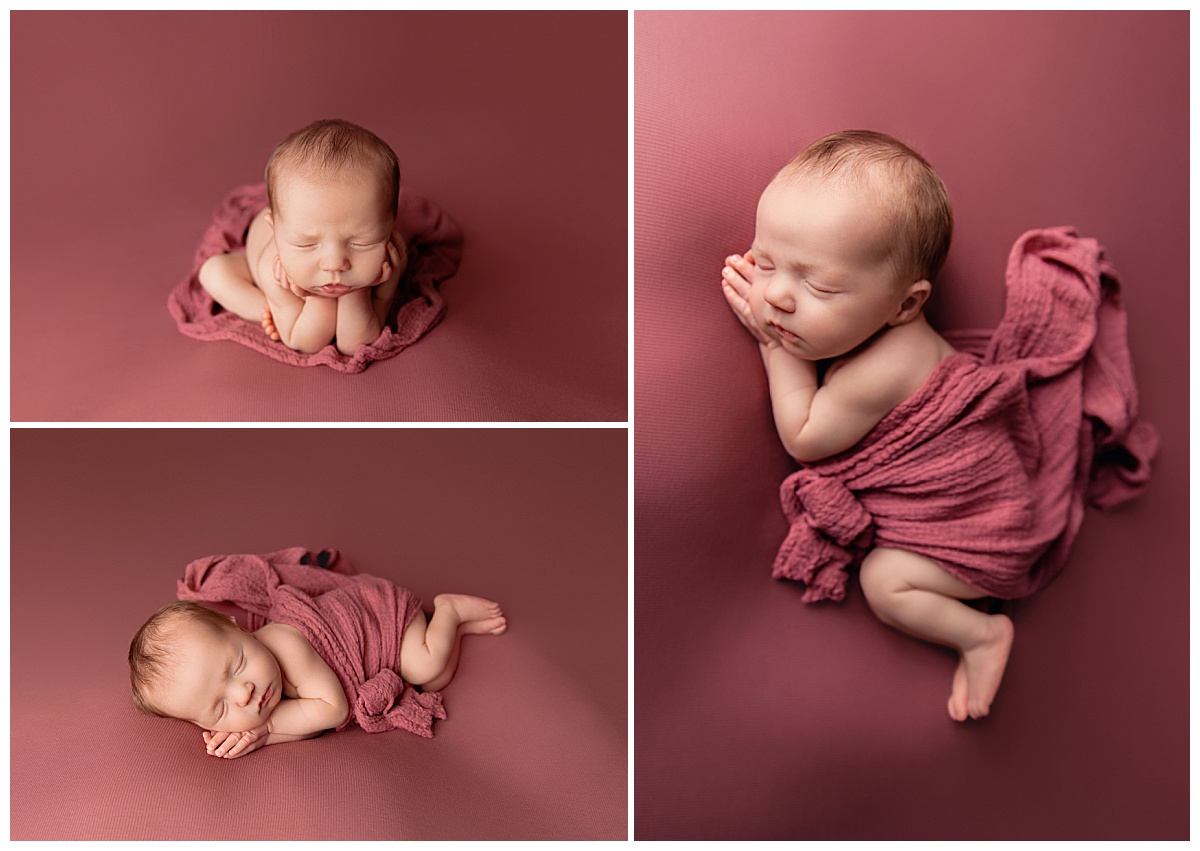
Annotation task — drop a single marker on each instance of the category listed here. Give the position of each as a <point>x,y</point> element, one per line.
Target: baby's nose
<point>334,261</point>
<point>779,296</point>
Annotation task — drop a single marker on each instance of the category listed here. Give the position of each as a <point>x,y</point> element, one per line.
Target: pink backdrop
<point>760,717</point>
<point>535,747</point>
<point>128,128</point>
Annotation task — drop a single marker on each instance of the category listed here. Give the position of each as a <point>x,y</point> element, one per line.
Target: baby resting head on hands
<point>323,260</point>
<point>849,236</point>
<point>249,689</point>
<point>191,663</point>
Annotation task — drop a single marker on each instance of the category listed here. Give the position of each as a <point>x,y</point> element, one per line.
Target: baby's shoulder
<point>282,639</point>
<point>894,365</point>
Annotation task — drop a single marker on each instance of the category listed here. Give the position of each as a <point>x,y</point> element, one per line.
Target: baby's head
<point>895,190</point>
<point>848,237</point>
<point>191,663</point>
<point>332,189</point>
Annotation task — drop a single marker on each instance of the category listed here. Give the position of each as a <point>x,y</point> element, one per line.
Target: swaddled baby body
<point>249,689</point>
<point>849,236</point>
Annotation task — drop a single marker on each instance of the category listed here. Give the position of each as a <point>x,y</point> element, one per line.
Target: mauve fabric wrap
<point>353,620</point>
<point>434,242</point>
<point>988,468</point>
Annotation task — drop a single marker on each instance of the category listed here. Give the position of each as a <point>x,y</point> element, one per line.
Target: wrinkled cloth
<point>434,242</point>
<point>988,468</point>
<point>353,620</point>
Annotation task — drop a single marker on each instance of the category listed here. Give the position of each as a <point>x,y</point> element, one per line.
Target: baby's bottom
<point>429,650</point>
<point>917,596</point>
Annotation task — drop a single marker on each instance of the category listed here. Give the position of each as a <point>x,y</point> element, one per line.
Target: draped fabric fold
<point>987,469</point>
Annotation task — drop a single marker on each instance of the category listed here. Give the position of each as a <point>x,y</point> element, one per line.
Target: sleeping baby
<point>318,663</point>
<point>948,476</point>
<point>849,237</point>
<point>323,260</point>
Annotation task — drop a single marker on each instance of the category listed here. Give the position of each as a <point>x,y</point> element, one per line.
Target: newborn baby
<point>323,260</point>
<point>249,689</point>
<point>849,236</point>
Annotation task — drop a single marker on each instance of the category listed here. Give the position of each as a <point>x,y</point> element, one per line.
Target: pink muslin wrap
<point>353,620</point>
<point>988,468</point>
<point>434,243</point>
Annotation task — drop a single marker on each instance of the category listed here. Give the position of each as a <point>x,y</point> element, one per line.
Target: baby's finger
<point>742,263</point>
<point>732,279</point>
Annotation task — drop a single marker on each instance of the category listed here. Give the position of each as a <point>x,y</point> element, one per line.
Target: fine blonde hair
<point>328,147</point>
<point>915,201</point>
<point>155,646</point>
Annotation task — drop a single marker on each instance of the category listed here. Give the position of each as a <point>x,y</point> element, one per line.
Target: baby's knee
<point>219,269</point>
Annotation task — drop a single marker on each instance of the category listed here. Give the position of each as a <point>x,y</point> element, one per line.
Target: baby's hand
<point>736,285</point>
<point>233,745</point>
<point>394,263</point>
<point>286,283</point>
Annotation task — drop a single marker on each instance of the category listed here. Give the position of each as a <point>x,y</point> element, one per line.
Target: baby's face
<point>823,283</point>
<point>332,236</point>
<point>227,682</point>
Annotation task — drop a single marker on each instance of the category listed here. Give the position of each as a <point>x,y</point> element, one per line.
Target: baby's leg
<point>917,596</point>
<point>227,279</point>
<point>429,651</point>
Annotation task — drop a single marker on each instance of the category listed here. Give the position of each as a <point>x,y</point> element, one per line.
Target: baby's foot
<point>982,668</point>
<point>475,615</point>
<point>268,324</point>
<point>957,704</point>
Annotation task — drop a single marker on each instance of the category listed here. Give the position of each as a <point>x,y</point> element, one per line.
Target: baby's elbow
<point>804,451</point>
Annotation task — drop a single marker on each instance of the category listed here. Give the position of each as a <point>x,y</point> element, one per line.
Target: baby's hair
<point>329,146</point>
<point>915,198</point>
<point>154,647</point>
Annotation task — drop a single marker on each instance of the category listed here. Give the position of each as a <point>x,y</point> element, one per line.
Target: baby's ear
<point>914,300</point>
<point>269,218</point>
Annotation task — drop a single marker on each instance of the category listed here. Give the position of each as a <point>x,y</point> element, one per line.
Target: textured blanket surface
<point>354,621</point>
<point>988,468</point>
<point>434,243</point>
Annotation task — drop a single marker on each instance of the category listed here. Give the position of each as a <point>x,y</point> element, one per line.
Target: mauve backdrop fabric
<point>759,717</point>
<point>128,128</point>
<point>535,746</point>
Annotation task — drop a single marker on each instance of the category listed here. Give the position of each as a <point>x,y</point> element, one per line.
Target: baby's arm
<point>818,421</point>
<point>814,421</point>
<point>320,703</point>
<point>313,698</point>
<point>362,313</point>
<point>302,321</point>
